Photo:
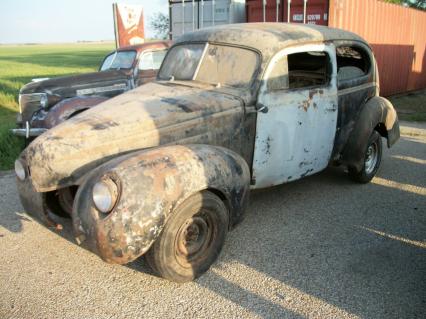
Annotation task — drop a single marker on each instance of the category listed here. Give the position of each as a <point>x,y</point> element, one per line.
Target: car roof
<point>268,37</point>
<point>147,45</point>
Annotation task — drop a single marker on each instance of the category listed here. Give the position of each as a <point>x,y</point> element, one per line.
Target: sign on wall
<point>128,24</point>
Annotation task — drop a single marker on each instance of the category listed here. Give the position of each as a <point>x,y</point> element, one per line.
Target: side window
<point>146,62</point>
<point>308,69</point>
<point>352,63</point>
<point>157,58</point>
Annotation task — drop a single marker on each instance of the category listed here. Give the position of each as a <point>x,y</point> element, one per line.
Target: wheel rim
<point>371,158</point>
<point>194,239</point>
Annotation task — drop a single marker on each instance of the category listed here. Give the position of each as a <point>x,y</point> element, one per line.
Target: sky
<point>50,21</point>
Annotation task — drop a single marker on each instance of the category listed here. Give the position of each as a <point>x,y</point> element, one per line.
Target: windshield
<point>210,63</point>
<point>119,60</point>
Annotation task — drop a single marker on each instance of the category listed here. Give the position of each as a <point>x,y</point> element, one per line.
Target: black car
<point>44,103</point>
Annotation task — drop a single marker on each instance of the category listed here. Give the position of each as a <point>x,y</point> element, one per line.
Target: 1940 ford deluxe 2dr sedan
<point>165,170</point>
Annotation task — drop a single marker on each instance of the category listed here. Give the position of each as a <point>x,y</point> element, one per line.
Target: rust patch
<point>307,103</point>
<point>304,105</point>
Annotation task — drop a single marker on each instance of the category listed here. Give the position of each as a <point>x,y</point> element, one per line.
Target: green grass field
<point>21,63</point>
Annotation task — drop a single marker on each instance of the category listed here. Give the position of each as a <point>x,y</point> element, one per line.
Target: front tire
<point>191,239</point>
<point>372,160</point>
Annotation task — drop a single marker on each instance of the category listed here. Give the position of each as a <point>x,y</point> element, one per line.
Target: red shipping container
<point>277,11</point>
<point>397,35</point>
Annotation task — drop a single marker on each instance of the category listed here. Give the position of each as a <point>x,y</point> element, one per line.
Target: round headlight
<point>20,170</point>
<point>105,194</point>
<point>44,102</point>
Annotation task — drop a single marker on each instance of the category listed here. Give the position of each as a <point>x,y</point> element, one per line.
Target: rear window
<point>151,60</point>
<point>352,63</point>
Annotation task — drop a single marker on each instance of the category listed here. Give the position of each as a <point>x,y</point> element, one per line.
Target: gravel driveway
<point>322,247</point>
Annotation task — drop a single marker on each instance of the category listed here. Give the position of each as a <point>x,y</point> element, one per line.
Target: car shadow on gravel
<point>10,217</point>
<point>360,251</point>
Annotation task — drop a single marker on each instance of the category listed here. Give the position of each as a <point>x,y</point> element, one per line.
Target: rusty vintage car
<point>44,103</point>
<point>165,170</point>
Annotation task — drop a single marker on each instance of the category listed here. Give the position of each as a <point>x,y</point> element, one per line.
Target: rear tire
<point>372,160</point>
<point>191,239</point>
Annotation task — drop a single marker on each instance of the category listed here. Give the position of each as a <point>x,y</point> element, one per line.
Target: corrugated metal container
<point>264,11</point>
<point>190,15</point>
<point>397,36</point>
<point>310,11</point>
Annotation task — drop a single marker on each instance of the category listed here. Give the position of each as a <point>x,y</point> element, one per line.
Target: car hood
<point>70,86</point>
<point>151,115</point>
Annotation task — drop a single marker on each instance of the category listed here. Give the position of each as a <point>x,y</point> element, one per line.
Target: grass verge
<point>411,106</point>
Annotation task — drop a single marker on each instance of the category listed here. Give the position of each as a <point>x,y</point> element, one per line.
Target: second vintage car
<point>45,103</point>
<point>165,170</point>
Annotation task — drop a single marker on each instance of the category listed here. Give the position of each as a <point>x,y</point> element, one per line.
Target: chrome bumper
<point>27,131</point>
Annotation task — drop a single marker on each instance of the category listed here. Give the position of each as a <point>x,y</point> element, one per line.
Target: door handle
<point>262,108</point>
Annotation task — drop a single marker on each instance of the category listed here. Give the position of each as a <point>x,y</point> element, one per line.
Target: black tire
<point>372,160</point>
<point>191,239</point>
<point>66,199</point>
<point>60,202</point>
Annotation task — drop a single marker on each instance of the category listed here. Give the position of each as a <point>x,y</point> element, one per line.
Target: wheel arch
<point>377,114</point>
<point>227,201</point>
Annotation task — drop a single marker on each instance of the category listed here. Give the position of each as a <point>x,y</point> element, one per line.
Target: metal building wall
<point>397,35</point>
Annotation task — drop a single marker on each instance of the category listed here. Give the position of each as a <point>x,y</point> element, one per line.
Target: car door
<point>297,114</point>
<point>355,84</point>
<point>149,63</point>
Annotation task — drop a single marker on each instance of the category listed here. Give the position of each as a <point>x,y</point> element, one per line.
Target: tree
<point>418,4</point>
<point>159,22</point>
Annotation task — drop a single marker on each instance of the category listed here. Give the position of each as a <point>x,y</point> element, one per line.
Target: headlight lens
<point>20,170</point>
<point>105,194</point>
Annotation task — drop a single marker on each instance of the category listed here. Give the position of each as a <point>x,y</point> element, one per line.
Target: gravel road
<point>322,247</point>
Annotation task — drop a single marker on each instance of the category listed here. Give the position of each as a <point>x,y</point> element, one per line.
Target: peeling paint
<point>299,123</point>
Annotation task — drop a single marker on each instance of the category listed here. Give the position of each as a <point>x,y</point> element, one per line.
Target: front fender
<point>153,182</point>
<point>377,114</point>
<point>66,109</point>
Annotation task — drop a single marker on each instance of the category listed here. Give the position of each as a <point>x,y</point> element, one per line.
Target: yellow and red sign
<point>128,24</point>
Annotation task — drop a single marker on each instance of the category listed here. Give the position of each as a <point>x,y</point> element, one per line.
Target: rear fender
<point>377,114</point>
<point>153,182</point>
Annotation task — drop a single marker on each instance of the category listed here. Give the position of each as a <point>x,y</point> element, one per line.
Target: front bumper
<point>28,131</point>
<point>33,202</point>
